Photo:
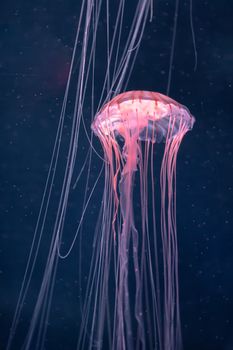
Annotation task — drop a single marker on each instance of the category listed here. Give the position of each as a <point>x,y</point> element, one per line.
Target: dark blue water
<point>36,41</point>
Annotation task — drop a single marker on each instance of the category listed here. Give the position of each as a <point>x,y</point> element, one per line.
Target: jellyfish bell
<point>142,115</point>
<point>132,111</point>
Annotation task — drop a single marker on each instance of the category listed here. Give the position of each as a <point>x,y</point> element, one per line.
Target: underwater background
<point>36,42</point>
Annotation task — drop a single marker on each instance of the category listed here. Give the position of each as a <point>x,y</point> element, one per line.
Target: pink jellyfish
<point>144,285</point>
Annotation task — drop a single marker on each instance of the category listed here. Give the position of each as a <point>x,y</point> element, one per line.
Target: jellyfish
<point>130,299</point>
<point>146,295</point>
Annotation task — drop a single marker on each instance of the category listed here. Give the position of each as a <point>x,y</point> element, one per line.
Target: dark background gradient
<point>36,41</point>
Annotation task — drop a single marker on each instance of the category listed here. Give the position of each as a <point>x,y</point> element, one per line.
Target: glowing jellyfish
<point>146,295</point>
<point>130,295</point>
